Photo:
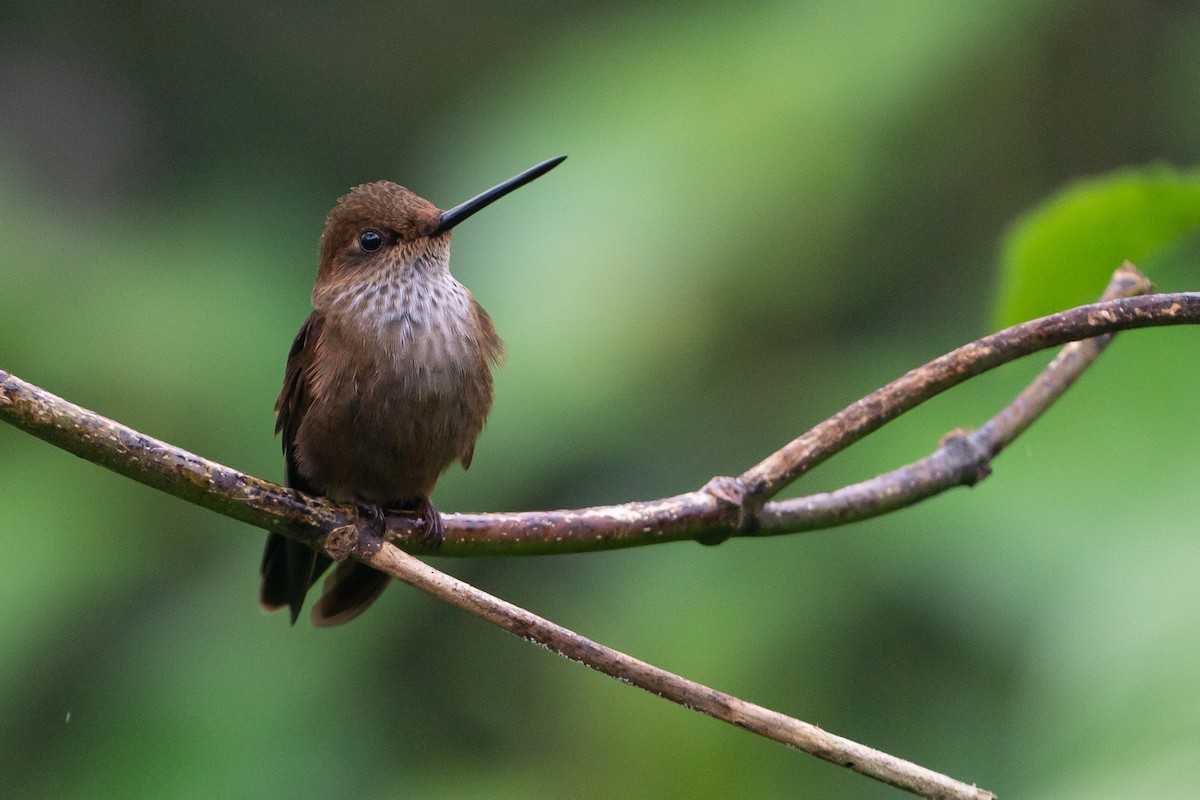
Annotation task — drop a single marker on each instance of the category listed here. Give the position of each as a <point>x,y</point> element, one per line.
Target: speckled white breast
<point>419,330</point>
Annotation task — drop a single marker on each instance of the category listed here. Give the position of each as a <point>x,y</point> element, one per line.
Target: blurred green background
<point>769,210</point>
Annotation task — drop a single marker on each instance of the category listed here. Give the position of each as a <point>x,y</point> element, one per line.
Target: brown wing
<point>295,397</point>
<point>289,568</point>
<point>491,348</point>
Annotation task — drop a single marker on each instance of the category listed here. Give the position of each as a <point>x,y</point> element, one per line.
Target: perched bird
<point>387,384</point>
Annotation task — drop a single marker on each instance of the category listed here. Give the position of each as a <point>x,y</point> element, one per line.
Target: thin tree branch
<point>166,467</point>
<point>769,724</point>
<point>964,458</point>
<point>725,507</point>
<point>767,478</point>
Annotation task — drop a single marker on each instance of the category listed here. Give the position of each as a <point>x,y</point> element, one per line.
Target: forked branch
<point>724,507</point>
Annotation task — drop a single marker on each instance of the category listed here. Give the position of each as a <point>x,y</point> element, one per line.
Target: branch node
<point>733,500</point>
<point>961,446</point>
<point>341,542</point>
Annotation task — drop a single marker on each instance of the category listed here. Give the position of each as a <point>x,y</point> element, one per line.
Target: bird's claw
<point>371,520</point>
<point>432,530</point>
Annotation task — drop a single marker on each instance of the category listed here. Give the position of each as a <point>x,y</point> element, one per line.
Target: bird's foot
<point>430,530</point>
<point>431,524</point>
<point>371,520</point>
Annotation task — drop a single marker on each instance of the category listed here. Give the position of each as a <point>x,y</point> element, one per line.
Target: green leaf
<point>1062,253</point>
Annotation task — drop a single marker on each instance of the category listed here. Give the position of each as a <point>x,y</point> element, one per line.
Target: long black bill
<point>463,210</point>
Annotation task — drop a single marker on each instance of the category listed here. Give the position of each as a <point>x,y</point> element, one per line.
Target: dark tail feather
<point>347,593</point>
<point>289,569</point>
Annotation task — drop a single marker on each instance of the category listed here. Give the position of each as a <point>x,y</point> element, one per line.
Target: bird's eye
<point>370,241</point>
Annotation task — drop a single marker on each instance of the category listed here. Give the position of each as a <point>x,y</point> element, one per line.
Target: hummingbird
<point>388,382</point>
